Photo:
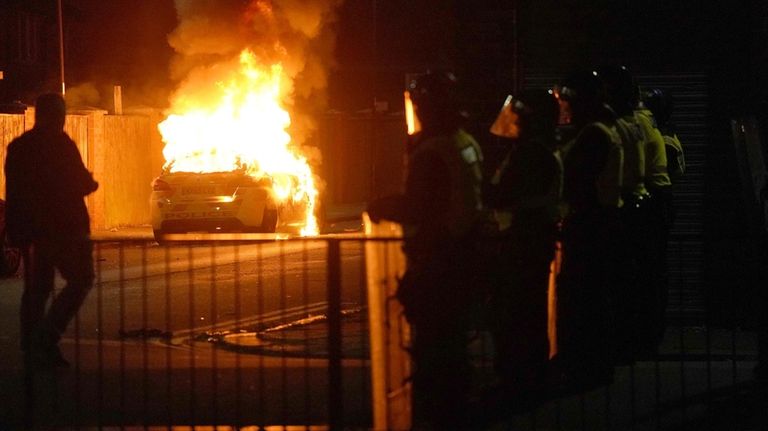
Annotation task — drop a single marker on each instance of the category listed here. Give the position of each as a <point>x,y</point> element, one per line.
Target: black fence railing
<point>266,333</point>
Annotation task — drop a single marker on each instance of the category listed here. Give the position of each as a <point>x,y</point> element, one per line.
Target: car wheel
<point>269,221</point>
<point>10,257</point>
<point>158,233</point>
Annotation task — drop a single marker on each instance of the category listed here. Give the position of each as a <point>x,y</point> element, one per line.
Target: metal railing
<point>267,333</point>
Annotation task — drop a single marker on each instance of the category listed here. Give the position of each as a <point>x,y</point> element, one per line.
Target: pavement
<point>206,379</point>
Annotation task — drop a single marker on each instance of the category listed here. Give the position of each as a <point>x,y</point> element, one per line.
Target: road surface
<point>141,346</point>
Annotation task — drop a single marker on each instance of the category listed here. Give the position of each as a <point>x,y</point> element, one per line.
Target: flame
<point>240,124</point>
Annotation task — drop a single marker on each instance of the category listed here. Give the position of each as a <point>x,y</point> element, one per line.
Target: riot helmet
<point>583,96</point>
<point>433,97</point>
<point>622,93</point>
<point>530,113</point>
<point>659,102</point>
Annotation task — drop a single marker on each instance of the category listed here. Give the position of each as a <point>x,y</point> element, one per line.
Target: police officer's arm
<point>427,194</point>
<point>656,156</point>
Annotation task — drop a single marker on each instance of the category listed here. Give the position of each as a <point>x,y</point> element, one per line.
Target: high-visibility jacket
<point>656,174</point>
<point>633,141</point>
<point>461,156</point>
<point>441,203</point>
<point>675,157</point>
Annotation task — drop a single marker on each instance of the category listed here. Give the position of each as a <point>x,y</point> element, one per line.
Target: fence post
<point>335,390</point>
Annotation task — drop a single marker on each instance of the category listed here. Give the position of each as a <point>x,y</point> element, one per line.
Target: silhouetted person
<point>439,211</point>
<point>592,180</point>
<point>525,196</point>
<point>46,217</point>
<point>665,164</point>
<point>636,294</point>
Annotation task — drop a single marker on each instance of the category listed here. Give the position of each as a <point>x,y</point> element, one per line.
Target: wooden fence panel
<point>11,126</point>
<point>127,172</point>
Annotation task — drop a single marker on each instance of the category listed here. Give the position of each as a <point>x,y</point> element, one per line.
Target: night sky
<point>119,42</point>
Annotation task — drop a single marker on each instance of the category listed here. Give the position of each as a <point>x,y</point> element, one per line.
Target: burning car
<point>230,163</point>
<point>232,201</point>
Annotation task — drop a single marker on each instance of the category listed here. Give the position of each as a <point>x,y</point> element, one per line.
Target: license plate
<point>188,215</point>
<point>198,190</point>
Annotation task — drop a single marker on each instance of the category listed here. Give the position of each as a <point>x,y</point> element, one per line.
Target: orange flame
<point>243,126</point>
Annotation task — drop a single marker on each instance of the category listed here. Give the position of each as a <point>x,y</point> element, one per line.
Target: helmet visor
<point>506,124</point>
<point>563,95</point>
<point>411,119</point>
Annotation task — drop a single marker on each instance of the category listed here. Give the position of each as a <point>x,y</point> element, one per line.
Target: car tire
<point>10,257</point>
<point>158,233</point>
<point>269,221</point>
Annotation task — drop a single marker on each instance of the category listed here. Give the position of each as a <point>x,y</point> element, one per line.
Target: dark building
<point>105,44</point>
<point>29,49</point>
<point>713,57</point>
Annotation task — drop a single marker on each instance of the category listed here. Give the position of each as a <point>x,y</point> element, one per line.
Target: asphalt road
<point>157,339</point>
<point>234,334</point>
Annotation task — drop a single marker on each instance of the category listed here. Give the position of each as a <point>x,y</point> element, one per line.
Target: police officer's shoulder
<point>645,117</point>
<point>600,134</point>
<point>597,130</point>
<point>468,146</point>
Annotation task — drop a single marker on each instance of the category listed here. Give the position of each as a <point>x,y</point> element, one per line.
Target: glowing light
<point>411,119</point>
<point>239,123</point>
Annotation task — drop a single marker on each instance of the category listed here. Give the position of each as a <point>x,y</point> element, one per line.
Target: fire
<point>240,123</point>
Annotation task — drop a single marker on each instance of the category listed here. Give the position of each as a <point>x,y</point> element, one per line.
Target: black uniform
<point>439,211</point>
<point>526,189</point>
<point>591,189</point>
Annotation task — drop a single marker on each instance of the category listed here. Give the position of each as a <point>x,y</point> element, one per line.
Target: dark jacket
<point>527,185</point>
<point>46,182</point>
<point>441,204</point>
<point>593,169</point>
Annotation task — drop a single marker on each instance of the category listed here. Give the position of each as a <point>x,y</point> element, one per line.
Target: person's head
<point>659,103</point>
<point>538,113</point>
<point>583,95</point>
<point>435,101</point>
<point>622,93</point>
<point>50,112</point>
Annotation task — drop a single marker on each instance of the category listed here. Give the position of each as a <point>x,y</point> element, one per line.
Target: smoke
<point>299,34</point>
<point>83,96</point>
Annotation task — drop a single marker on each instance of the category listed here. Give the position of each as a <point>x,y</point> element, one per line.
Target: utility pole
<point>516,72</point>
<point>61,48</point>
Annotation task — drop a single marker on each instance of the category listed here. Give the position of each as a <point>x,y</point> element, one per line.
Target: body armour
<point>593,169</point>
<point>634,143</point>
<point>461,156</point>
<point>655,152</point>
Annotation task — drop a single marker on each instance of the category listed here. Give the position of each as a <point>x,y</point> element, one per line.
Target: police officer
<point>635,294</point>
<point>592,182</point>
<point>665,161</point>
<point>525,196</point>
<point>439,211</point>
<point>657,105</point>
